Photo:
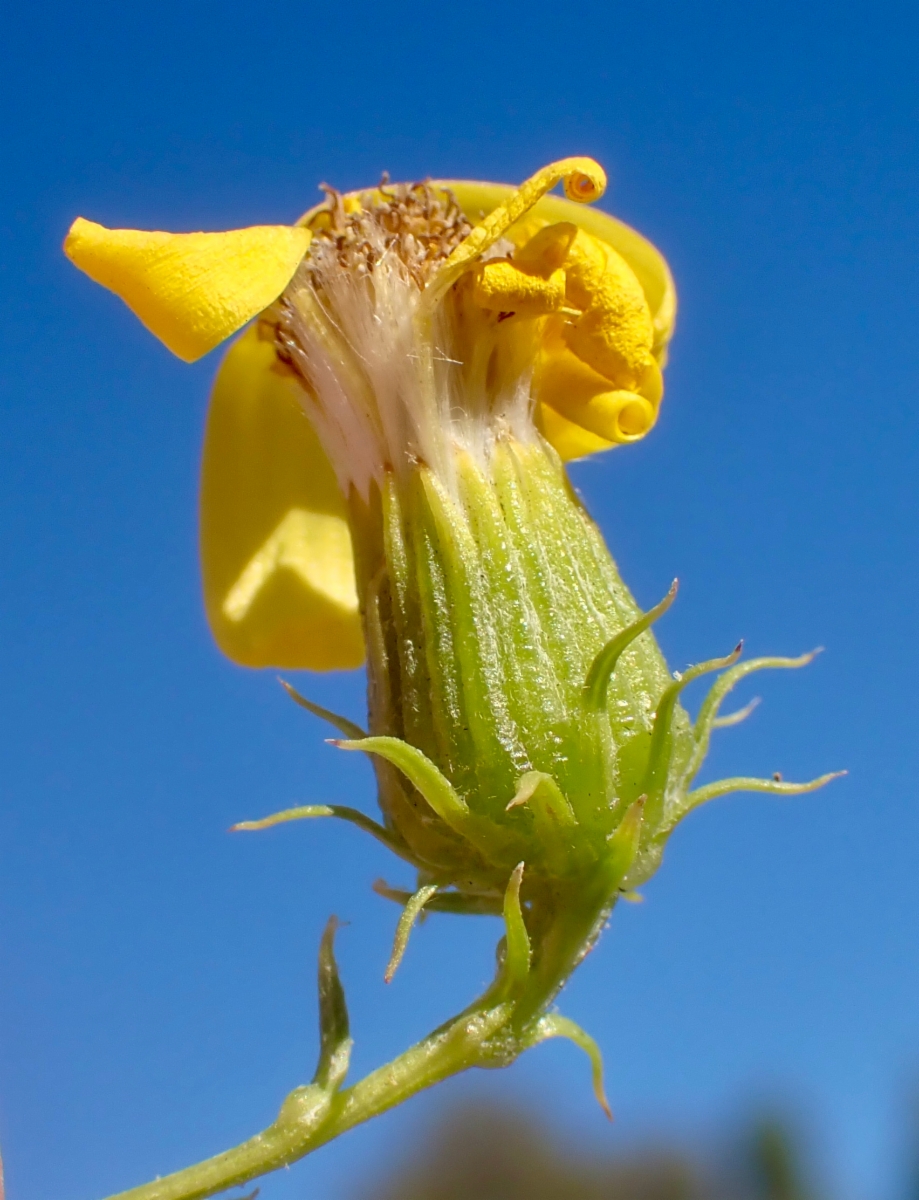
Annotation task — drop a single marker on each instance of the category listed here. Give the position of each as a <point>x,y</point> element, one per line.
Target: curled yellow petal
<point>276,557</point>
<point>478,200</point>
<point>617,416</point>
<point>570,440</point>
<point>192,290</point>
<point>651,383</point>
<point>581,401</point>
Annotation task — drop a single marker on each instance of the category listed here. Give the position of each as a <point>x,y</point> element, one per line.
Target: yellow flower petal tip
<point>191,290</point>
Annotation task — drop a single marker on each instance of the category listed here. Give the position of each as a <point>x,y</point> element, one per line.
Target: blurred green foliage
<point>487,1153</point>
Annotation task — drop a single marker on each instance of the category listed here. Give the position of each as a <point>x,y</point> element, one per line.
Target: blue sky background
<point>156,973</point>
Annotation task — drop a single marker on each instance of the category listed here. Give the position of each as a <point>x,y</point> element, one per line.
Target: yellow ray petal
<point>192,290</point>
<point>276,554</point>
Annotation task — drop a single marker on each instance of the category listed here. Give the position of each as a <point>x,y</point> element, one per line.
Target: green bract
<point>520,709</point>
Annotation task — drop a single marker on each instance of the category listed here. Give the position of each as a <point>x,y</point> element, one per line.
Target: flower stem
<point>304,1123</point>
<point>492,1032</point>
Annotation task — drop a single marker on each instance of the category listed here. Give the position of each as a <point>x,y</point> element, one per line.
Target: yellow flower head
<point>383,473</point>
<point>406,321</point>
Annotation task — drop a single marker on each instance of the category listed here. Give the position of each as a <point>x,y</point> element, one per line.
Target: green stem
<point>303,1126</point>
<point>491,1032</point>
<point>567,938</point>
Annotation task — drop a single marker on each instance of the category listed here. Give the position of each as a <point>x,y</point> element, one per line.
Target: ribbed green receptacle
<point>487,601</point>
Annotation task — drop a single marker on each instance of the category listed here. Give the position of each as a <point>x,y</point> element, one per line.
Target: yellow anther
<point>500,286</point>
<point>192,290</point>
<point>547,250</point>
<point>615,333</point>
<point>613,343</point>
<point>532,283</point>
<point>585,180</point>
